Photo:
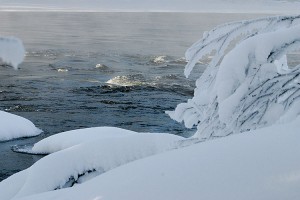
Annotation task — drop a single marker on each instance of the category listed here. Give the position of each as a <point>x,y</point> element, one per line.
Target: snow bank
<point>11,51</point>
<point>260,165</point>
<point>13,126</point>
<point>246,78</point>
<point>71,138</point>
<point>85,154</point>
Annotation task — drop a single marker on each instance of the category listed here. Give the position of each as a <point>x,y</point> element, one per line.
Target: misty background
<point>223,6</point>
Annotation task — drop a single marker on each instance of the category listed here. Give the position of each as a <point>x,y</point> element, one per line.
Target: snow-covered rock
<point>13,126</point>
<point>11,51</point>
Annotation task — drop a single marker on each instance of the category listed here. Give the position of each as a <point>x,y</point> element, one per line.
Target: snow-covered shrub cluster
<point>248,83</point>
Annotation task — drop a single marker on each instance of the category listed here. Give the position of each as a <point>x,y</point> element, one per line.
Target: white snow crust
<point>262,164</point>
<point>71,138</point>
<point>90,152</point>
<point>11,51</point>
<point>13,126</point>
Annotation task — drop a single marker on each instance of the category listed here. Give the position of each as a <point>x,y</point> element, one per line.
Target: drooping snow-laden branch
<point>220,38</point>
<point>246,86</point>
<point>11,51</point>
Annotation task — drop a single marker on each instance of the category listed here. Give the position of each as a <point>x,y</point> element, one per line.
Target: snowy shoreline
<point>247,89</point>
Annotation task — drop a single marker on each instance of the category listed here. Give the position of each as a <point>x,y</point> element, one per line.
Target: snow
<point>71,138</point>
<point>247,77</point>
<point>231,84</point>
<point>79,155</point>
<point>262,164</point>
<point>11,51</point>
<point>282,66</point>
<point>13,126</point>
<point>247,87</point>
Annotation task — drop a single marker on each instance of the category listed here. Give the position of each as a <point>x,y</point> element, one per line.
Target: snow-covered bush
<point>247,84</point>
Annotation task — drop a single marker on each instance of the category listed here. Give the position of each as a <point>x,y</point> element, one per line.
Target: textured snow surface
<point>11,51</point>
<point>71,138</point>
<point>246,79</point>
<point>13,126</point>
<point>89,153</point>
<point>262,164</point>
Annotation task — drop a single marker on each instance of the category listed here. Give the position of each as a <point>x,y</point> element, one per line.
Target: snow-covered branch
<point>248,83</point>
<point>11,51</point>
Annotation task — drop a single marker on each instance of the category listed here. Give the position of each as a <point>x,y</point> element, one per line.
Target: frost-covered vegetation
<point>13,126</point>
<point>247,85</point>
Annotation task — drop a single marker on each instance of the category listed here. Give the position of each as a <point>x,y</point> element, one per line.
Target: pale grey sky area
<point>236,6</point>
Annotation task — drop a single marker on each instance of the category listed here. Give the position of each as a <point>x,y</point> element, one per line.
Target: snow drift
<point>71,138</point>
<point>247,84</point>
<point>81,155</point>
<point>235,167</point>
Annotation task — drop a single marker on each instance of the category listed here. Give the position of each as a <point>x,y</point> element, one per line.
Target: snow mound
<point>248,83</point>
<point>88,153</point>
<point>71,138</point>
<point>236,167</point>
<point>11,51</point>
<point>13,126</point>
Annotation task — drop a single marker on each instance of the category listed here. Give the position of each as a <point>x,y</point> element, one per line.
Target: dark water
<point>70,57</point>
